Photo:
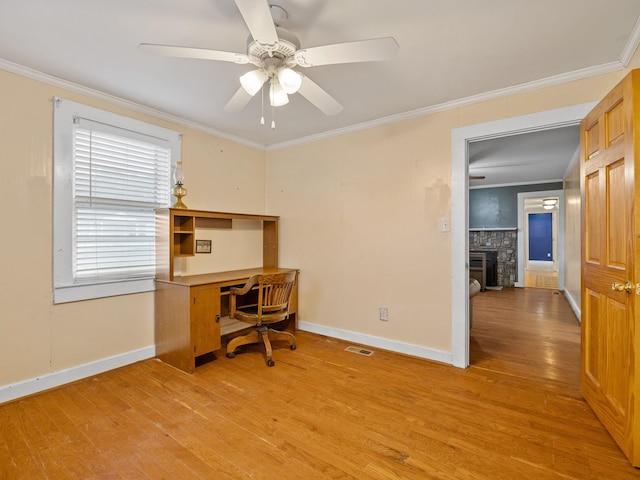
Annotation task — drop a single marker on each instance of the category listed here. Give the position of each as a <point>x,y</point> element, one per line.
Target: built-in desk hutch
<point>192,311</point>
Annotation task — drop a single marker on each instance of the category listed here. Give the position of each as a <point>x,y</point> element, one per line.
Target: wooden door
<point>205,319</point>
<point>611,223</point>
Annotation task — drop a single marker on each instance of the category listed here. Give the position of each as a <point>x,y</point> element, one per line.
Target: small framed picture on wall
<point>203,246</point>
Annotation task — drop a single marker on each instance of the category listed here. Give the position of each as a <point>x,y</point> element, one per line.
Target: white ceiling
<point>535,157</point>
<point>450,50</point>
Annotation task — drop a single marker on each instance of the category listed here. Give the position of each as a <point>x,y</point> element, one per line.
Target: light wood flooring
<point>325,413</point>
<point>526,332</point>
<point>541,279</point>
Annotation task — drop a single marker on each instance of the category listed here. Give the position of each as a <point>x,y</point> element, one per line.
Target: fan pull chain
<point>273,108</point>
<point>262,111</point>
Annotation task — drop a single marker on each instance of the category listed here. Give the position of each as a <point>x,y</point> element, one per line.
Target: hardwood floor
<point>530,332</point>
<point>324,413</point>
<point>541,279</point>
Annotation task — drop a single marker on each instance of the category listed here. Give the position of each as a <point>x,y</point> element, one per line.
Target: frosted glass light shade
<point>277,95</point>
<point>179,174</point>
<point>252,81</point>
<point>290,80</point>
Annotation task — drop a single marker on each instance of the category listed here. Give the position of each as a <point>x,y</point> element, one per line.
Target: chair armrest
<point>244,289</point>
<point>239,291</point>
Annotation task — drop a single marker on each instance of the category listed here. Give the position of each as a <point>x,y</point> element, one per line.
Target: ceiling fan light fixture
<point>277,96</point>
<point>549,201</point>
<point>290,80</point>
<point>275,52</point>
<point>252,81</point>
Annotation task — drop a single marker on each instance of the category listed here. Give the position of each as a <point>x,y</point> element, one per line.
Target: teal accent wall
<point>497,207</point>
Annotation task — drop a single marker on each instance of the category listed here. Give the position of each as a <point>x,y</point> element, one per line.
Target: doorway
<point>547,272</point>
<point>541,257</point>
<point>460,139</point>
<point>540,238</point>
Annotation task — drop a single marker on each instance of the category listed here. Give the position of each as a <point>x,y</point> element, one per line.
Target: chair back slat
<point>274,291</point>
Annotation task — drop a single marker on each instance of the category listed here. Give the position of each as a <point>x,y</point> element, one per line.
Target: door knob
<point>622,287</point>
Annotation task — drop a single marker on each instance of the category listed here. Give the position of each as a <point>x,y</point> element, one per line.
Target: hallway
<point>526,332</point>
<point>541,274</point>
<point>541,279</point>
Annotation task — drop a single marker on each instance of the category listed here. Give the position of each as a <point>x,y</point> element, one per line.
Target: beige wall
<point>360,217</point>
<point>36,337</point>
<point>572,229</point>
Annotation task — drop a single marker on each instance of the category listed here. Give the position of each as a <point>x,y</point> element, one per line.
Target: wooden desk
<point>192,314</point>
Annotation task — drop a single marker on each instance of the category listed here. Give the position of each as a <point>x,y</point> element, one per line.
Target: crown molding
<point>483,97</point>
<point>631,46</point>
<point>516,184</point>
<point>136,107</point>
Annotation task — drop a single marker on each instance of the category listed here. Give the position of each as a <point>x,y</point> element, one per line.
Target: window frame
<point>65,288</point>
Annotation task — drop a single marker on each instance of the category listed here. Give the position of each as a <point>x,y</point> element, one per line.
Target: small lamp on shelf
<point>179,191</point>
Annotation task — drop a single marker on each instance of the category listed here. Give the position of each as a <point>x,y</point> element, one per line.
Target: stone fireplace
<point>505,243</point>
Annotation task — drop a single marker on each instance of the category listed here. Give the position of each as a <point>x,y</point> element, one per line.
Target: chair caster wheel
<point>292,347</point>
<point>270,363</point>
<point>231,355</point>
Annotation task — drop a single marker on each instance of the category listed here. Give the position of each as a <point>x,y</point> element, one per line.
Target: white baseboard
<point>55,379</point>
<point>384,343</point>
<point>574,306</point>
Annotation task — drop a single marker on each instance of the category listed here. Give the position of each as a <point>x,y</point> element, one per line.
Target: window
<point>110,174</point>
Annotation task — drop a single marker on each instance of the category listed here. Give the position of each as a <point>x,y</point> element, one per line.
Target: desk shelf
<point>183,223</point>
<point>176,235</point>
<point>183,244</point>
<point>231,325</point>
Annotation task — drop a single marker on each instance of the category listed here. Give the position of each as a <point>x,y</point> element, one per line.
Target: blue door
<point>541,236</point>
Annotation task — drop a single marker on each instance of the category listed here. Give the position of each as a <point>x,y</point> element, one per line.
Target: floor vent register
<point>359,350</point>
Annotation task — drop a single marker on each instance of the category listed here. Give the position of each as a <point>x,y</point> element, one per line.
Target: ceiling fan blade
<point>190,52</point>
<point>360,51</point>
<point>257,16</point>
<point>238,101</point>
<point>318,97</point>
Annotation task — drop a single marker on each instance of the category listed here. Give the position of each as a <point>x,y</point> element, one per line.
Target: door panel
<point>615,123</point>
<point>592,344</point>
<point>610,138</point>
<point>618,360</point>
<point>205,314</point>
<point>593,218</point>
<point>617,215</point>
<point>591,139</point>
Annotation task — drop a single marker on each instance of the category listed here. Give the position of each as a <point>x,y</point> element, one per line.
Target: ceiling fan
<point>276,53</point>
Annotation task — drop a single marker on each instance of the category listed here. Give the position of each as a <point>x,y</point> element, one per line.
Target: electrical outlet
<point>384,314</point>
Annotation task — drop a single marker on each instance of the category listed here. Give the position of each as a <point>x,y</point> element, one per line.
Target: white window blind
<point>119,179</point>
<point>110,174</point>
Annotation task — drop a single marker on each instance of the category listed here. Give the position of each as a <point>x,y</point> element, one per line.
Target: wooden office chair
<point>272,305</point>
